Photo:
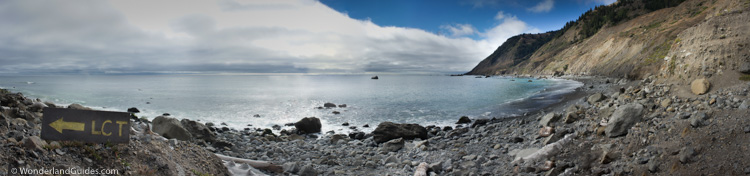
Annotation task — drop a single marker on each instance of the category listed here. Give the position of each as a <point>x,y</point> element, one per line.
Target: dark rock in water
<point>345,124</point>
<point>516,140</point>
<point>447,128</point>
<point>374,77</point>
<point>267,132</point>
<point>366,126</point>
<point>209,124</point>
<point>224,128</point>
<point>623,118</point>
<point>256,115</point>
<point>276,127</point>
<point>166,114</point>
<point>289,124</point>
<point>198,130</point>
<point>224,123</point>
<point>329,105</point>
<point>308,125</point>
<point>148,102</point>
<point>480,122</point>
<point>336,112</point>
<point>342,105</point>
<point>319,107</point>
<point>388,130</point>
<point>353,127</point>
<point>171,128</point>
<point>463,119</point>
<point>133,110</point>
<point>357,135</point>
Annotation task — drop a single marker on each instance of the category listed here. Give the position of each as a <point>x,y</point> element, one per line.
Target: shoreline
<point>575,139</point>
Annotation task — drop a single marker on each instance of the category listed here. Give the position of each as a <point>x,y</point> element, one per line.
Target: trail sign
<point>61,124</point>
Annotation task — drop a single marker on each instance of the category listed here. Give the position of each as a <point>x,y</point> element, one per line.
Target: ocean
<point>281,99</point>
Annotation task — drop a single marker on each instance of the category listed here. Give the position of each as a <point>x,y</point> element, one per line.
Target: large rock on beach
<point>171,128</point>
<point>623,118</point>
<point>34,142</point>
<point>744,68</point>
<point>393,145</point>
<point>78,107</point>
<point>700,86</point>
<point>595,98</point>
<point>198,130</point>
<point>387,131</point>
<point>308,125</point>
<point>463,120</point>
<point>549,118</point>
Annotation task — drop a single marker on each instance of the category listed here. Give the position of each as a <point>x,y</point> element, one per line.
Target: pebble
<point>747,129</point>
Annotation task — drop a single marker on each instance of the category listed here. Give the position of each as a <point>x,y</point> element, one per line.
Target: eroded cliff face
<point>693,39</point>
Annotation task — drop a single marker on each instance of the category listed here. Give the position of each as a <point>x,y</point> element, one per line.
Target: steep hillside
<point>634,38</point>
<point>515,50</point>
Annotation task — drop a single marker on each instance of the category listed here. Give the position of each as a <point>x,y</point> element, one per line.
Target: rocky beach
<point>607,127</point>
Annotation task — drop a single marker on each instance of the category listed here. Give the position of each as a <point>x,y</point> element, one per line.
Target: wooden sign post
<point>59,124</point>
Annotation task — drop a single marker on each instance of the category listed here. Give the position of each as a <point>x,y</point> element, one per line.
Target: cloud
<point>508,26</point>
<point>606,2</point>
<point>296,36</point>
<point>458,30</point>
<point>544,6</point>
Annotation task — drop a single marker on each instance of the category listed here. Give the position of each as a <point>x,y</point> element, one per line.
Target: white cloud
<point>458,30</point>
<point>509,26</point>
<point>604,2</point>
<point>544,6</point>
<point>228,36</point>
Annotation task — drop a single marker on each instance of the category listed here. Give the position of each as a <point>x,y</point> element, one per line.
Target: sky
<point>266,36</point>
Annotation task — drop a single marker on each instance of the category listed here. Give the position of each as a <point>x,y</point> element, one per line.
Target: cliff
<point>634,39</point>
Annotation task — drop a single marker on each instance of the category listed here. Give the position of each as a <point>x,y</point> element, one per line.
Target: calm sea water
<point>235,99</point>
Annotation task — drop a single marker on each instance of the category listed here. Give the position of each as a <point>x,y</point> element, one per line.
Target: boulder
<point>393,145</point>
<point>37,107</point>
<point>387,131</point>
<point>171,128</point>
<point>623,118</point>
<point>697,119</point>
<point>337,137</point>
<point>308,125</point>
<point>133,110</point>
<point>480,122</point>
<point>198,130</point>
<point>463,120</point>
<point>342,105</point>
<point>329,105</point>
<point>666,102</point>
<point>597,97</point>
<point>700,86</point>
<point>307,170</point>
<point>78,107</point>
<point>744,68</point>
<point>357,135</point>
<point>34,142</point>
<point>549,118</point>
